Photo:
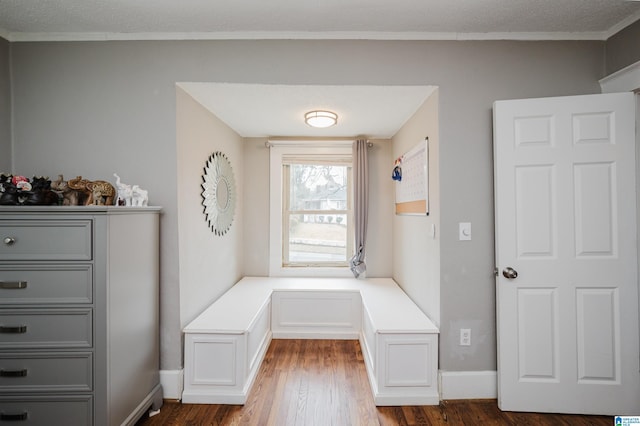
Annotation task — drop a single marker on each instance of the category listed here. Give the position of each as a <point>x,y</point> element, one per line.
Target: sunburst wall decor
<point>218,193</point>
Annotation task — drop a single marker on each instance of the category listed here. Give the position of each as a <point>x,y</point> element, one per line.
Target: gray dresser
<point>79,313</point>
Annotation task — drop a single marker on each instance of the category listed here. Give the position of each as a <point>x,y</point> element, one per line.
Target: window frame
<point>287,213</point>
<point>281,152</point>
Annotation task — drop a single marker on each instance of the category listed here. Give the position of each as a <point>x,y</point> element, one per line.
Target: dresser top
<point>79,209</point>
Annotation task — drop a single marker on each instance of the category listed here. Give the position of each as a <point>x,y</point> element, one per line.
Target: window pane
<point>317,238</point>
<point>318,187</point>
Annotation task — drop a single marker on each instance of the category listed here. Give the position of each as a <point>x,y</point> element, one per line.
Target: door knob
<point>9,241</point>
<point>509,273</point>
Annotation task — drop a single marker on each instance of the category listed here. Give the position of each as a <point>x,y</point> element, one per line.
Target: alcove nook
<point>238,119</point>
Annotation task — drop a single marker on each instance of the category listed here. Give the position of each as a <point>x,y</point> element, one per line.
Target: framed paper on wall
<point>412,181</point>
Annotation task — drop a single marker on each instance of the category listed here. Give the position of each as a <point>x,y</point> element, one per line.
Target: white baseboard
<point>468,384</point>
<point>172,382</point>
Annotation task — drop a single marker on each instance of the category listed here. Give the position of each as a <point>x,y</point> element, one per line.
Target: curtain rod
<point>313,143</point>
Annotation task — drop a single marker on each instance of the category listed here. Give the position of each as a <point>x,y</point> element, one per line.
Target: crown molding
<point>624,80</point>
<point>5,34</point>
<point>321,35</point>
<point>535,36</point>
<point>622,24</point>
<point>296,35</point>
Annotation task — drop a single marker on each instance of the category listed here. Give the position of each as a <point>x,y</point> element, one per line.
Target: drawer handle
<point>13,373</point>
<point>13,417</point>
<point>9,240</point>
<point>13,329</point>
<point>13,284</point>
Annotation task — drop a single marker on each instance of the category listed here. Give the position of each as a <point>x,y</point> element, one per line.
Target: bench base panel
<point>399,343</point>
<point>402,368</point>
<point>198,392</point>
<point>220,368</point>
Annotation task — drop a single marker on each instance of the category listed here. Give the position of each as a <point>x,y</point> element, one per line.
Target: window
<point>317,225</point>
<point>311,208</point>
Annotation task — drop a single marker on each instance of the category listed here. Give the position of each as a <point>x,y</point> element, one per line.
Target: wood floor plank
<point>325,383</point>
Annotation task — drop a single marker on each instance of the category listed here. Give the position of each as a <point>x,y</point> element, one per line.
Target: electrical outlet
<point>465,337</point>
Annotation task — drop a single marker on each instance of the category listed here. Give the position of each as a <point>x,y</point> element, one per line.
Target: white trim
<point>172,382</point>
<point>468,384</point>
<point>309,35</point>
<point>5,34</point>
<point>278,150</point>
<point>530,36</point>
<point>311,143</point>
<point>624,80</point>
<point>622,24</point>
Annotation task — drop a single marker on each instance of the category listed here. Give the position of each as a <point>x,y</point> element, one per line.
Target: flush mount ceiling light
<point>321,118</point>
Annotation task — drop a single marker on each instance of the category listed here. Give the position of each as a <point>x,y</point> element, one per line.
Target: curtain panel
<point>360,205</point>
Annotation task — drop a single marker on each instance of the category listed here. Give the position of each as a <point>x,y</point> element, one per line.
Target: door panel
<point>535,211</point>
<point>598,332</point>
<point>595,203</point>
<point>538,334</point>
<point>566,222</point>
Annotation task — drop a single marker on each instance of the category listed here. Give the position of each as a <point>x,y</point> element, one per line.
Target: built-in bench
<point>225,345</point>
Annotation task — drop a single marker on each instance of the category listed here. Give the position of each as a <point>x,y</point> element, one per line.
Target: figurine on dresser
<point>8,191</point>
<point>20,191</point>
<point>101,193</point>
<point>129,195</point>
<point>82,192</point>
<point>69,196</point>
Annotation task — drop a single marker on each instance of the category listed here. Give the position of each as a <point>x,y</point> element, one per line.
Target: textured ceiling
<point>92,19</point>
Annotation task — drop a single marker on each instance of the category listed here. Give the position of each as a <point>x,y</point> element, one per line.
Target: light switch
<point>464,231</point>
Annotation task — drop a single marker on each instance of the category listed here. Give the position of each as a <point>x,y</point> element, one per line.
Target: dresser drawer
<point>45,328</point>
<point>46,284</point>
<point>47,411</point>
<point>51,372</point>
<point>45,239</point>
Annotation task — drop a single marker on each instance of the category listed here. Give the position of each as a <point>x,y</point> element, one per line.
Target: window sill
<point>330,272</point>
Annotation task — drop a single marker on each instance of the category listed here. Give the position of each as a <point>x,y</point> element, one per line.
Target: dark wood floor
<point>324,382</point>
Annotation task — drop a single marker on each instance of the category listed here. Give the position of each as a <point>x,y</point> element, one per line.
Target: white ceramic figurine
<point>139,196</point>
<point>129,195</point>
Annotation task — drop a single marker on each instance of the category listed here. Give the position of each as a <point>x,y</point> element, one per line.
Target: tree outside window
<point>317,224</point>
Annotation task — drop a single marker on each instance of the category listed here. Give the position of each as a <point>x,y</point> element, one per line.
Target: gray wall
<point>94,108</point>
<point>623,49</point>
<point>471,76</point>
<point>5,107</point>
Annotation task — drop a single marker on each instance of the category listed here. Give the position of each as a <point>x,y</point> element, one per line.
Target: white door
<point>567,289</point>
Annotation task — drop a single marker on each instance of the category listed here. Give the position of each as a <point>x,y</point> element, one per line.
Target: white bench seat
<point>234,311</point>
<point>391,310</point>
<point>225,345</point>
